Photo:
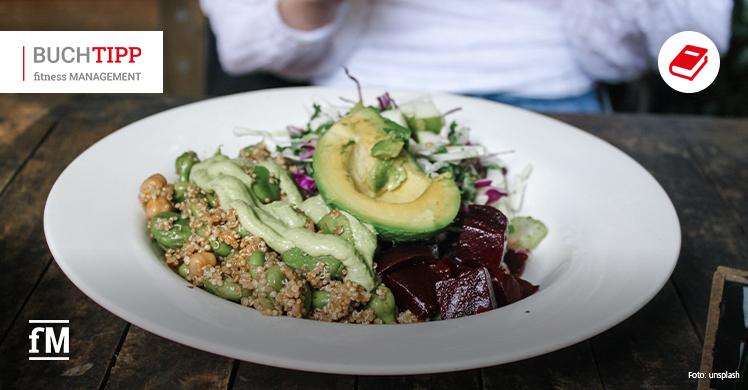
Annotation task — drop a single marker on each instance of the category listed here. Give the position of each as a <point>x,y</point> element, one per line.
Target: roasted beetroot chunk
<point>410,271</point>
<point>402,256</point>
<point>469,281</point>
<point>482,243</point>
<point>527,288</point>
<point>470,293</point>
<point>516,261</point>
<point>413,288</point>
<point>509,288</point>
<point>458,267</point>
<point>482,239</point>
<point>442,268</point>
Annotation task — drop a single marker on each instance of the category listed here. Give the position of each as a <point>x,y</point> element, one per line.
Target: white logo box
<point>68,62</point>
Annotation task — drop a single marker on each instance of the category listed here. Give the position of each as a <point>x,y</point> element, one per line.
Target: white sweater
<point>530,48</point>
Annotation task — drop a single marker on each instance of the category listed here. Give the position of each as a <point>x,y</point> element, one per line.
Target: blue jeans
<point>585,103</point>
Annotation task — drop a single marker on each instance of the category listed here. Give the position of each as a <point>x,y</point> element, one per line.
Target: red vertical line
<point>24,63</point>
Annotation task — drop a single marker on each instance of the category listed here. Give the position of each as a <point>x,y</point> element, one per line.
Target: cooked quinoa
<point>211,226</point>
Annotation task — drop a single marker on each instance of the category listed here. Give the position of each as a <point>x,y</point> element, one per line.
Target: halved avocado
<point>391,193</point>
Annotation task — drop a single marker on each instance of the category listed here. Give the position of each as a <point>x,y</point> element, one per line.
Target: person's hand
<point>307,14</point>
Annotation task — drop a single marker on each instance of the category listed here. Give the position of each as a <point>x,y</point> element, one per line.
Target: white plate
<point>614,240</point>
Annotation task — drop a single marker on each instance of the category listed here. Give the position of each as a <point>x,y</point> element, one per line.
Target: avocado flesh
<point>414,207</point>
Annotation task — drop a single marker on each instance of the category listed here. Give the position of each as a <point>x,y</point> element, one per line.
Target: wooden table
<point>701,162</point>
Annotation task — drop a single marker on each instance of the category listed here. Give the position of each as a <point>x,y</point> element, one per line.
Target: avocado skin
<point>337,192</point>
<point>389,232</point>
<point>399,235</point>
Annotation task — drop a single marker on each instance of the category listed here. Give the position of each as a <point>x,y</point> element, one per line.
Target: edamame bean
<point>183,270</point>
<point>275,277</point>
<point>264,303</point>
<point>175,236</point>
<point>336,223</point>
<point>184,164</point>
<point>195,211</point>
<point>265,187</point>
<point>180,188</point>
<point>195,214</point>
<point>220,248</point>
<point>209,287</point>
<point>298,259</point>
<point>212,200</point>
<point>203,231</point>
<point>241,231</point>
<point>255,261</point>
<point>228,290</point>
<point>384,309</point>
<point>320,299</point>
<point>157,248</point>
<point>334,266</point>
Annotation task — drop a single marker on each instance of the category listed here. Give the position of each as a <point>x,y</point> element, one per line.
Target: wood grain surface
<point>701,162</point>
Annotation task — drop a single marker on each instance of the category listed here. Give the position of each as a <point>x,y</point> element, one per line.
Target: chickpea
<point>155,206</point>
<point>199,261</point>
<point>152,185</point>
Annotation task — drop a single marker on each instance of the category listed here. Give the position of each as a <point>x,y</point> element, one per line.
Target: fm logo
<point>54,339</point>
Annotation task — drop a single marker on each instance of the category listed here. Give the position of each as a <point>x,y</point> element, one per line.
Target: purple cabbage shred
<point>482,183</point>
<point>385,101</point>
<point>304,181</point>
<point>494,194</point>
<point>307,150</point>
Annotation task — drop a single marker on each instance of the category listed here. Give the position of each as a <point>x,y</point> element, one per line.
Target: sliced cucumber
<point>525,233</point>
<point>395,116</point>
<point>422,115</point>
<point>425,137</point>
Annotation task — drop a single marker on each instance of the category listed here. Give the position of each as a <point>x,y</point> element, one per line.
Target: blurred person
<point>545,55</point>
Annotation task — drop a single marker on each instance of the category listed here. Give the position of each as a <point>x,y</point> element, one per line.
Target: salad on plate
<point>367,214</point>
